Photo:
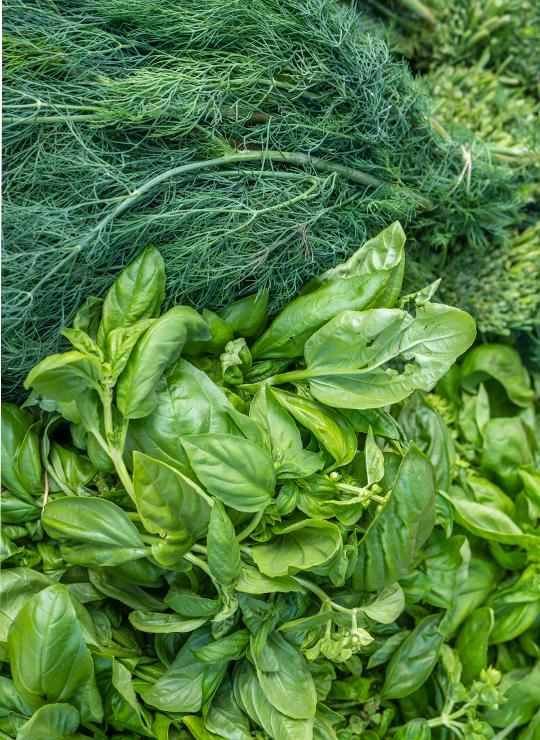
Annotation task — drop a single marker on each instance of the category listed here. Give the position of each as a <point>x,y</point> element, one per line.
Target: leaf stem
<point>251,526</point>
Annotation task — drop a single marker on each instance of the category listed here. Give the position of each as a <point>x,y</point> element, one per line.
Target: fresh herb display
<point>254,144</point>
<point>203,517</point>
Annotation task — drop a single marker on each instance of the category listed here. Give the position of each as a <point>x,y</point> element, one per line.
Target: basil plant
<point>205,512</point>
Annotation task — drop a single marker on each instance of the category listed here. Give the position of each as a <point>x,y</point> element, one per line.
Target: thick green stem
<point>251,526</point>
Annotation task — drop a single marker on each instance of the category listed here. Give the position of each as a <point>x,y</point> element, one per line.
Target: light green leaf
<point>232,469</point>
<point>302,317</point>
<point>224,716</point>
<point>167,501</point>
<point>387,606</point>
<point>137,294</point>
<point>252,700</point>
<point>188,403</point>
<point>164,623</point>
<point>251,581</point>
<point>49,658</point>
<point>52,722</point>
<point>155,351</point>
<point>374,459</point>
<point>64,377</point>
<point>330,428</point>
<point>228,648</point>
<point>223,547</point>
<point>301,545</point>
<point>503,363</point>
<point>404,524</point>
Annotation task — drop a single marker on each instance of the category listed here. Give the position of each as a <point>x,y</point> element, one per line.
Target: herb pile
<point>197,543</point>
<point>252,143</point>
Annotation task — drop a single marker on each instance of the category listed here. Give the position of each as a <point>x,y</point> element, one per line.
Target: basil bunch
<point>463,659</point>
<point>203,515</point>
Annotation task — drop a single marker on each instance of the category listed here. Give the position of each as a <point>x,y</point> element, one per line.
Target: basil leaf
<point>252,581</point>
<point>29,461</point>
<point>342,374</point>
<point>87,317</point>
<point>90,520</point>
<point>51,722</point>
<point>224,716</point>
<point>64,377</point>
<point>166,500</point>
<point>426,428</point>
<point>414,660</point>
<point>330,428</point>
<point>522,700</point>
<point>374,460</point>
<point>252,700</point>
<point>387,606</point>
<point>491,524</point>
<point>383,252</point>
<point>164,623</point>
<point>472,643</point>
<point>248,316</point>
<point>232,469</point>
<point>220,331</point>
<point>121,341</point>
<point>127,593</point>
<point>49,658</point>
<point>16,423</point>
<point>404,524</point>
<point>223,547</point>
<point>502,363</point>
<point>137,294</point>
<point>231,647</point>
<point>188,403</point>
<point>289,688</point>
<point>189,604</point>
<point>302,317</point>
<point>180,689</point>
<point>159,346</point>
<point>506,448</point>
<point>299,545</point>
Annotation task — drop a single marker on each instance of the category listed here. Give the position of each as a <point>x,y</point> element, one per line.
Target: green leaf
<point>271,414</point>
<point>330,428</point>
<point>16,423</point>
<point>17,587</point>
<point>51,722</point>
<point>95,521</point>
<point>491,524</point>
<point>446,564</point>
<point>155,351</point>
<point>251,430</point>
<point>383,252</point>
<point>412,663</point>
<point>223,547</point>
<point>180,689</point>
<point>164,623</point>
<point>220,331</point>
<point>49,658</point>
<point>232,469</point>
<point>515,607</point>
<point>522,701</point>
<point>167,501</point>
<point>29,461</point>
<point>404,524</point>
<point>87,317</point>
<point>188,403</point>
<point>224,716</point>
<point>472,643</point>
<point>502,363</point>
<point>374,459</point>
<point>252,581</point>
<point>302,317</point>
<point>416,729</point>
<point>301,545</point>
<point>387,606</point>
<point>345,357</point>
<point>488,493</point>
<point>252,700</point>
<point>121,341</point>
<point>506,448</point>
<point>137,294</point>
<point>190,604</point>
<point>306,623</point>
<point>64,377</point>
<point>71,469</point>
<point>427,429</point>
<point>126,593</point>
<point>248,316</point>
<point>290,688</point>
<point>382,424</point>
<point>231,647</point>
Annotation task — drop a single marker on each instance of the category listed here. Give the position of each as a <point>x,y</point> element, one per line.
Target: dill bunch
<point>254,143</point>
